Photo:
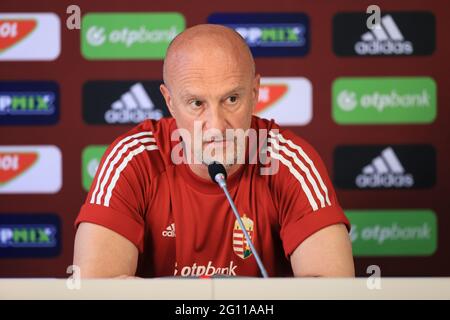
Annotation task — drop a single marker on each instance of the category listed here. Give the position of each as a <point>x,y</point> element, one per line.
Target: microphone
<point>218,174</point>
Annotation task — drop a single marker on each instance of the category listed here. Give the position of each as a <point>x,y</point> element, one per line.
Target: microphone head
<point>215,168</point>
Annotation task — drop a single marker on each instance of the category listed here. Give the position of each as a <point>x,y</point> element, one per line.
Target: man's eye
<point>196,103</point>
<point>232,99</point>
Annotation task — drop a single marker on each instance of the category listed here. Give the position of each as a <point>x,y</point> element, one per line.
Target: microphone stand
<point>220,179</point>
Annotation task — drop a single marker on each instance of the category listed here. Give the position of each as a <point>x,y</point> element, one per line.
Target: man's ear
<point>166,94</point>
<point>255,91</point>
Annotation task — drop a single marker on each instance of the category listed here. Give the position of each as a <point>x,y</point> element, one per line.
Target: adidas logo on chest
<point>170,231</point>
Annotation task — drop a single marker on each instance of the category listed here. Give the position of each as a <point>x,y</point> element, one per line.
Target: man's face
<point>212,100</point>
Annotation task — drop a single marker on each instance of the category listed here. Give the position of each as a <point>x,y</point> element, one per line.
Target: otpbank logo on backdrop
<point>29,235</point>
<point>29,36</point>
<point>385,167</point>
<point>29,103</point>
<point>397,34</point>
<point>90,160</point>
<point>269,34</point>
<point>286,100</point>
<point>122,102</point>
<point>30,169</point>
<point>407,232</point>
<point>384,100</point>
<point>129,35</point>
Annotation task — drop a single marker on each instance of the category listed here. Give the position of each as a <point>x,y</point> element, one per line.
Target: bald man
<point>152,210</point>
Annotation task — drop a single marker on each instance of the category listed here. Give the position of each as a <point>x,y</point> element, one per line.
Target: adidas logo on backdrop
<point>378,167</point>
<point>123,102</point>
<point>384,38</point>
<point>385,171</point>
<point>134,105</point>
<point>397,33</point>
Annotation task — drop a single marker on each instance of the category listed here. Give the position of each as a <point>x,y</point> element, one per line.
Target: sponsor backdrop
<point>374,103</point>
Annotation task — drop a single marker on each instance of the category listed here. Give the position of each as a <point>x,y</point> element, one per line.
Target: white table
<point>224,289</point>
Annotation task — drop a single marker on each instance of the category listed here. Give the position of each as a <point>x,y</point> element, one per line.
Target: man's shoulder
<point>296,170</point>
<point>291,155</point>
<point>147,144</point>
<point>280,136</point>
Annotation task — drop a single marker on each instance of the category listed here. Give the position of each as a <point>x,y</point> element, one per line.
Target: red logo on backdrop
<point>14,164</point>
<point>269,94</point>
<point>13,31</point>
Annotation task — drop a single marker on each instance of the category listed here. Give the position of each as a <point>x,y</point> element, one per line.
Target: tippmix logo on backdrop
<point>397,34</point>
<point>129,35</point>
<point>29,102</point>
<point>30,169</point>
<point>122,102</point>
<point>90,160</point>
<point>29,36</point>
<point>384,100</point>
<point>385,167</point>
<point>287,100</point>
<point>269,34</point>
<point>29,235</point>
<point>406,232</point>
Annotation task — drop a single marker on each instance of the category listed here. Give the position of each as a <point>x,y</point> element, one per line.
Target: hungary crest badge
<point>240,245</point>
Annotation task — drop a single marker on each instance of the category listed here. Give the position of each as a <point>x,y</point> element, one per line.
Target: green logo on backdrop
<point>382,100</point>
<point>129,35</point>
<point>393,232</point>
<point>90,160</point>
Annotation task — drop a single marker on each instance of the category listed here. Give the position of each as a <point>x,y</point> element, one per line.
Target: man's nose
<point>216,119</point>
